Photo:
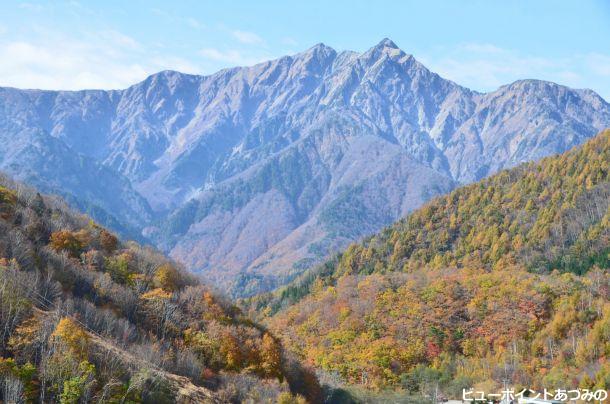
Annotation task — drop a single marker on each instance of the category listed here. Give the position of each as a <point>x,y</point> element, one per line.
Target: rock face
<point>250,175</point>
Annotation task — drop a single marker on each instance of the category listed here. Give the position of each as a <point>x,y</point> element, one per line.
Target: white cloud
<point>108,60</point>
<point>111,59</point>
<point>221,56</point>
<point>481,48</point>
<point>485,67</point>
<point>120,40</point>
<point>289,41</point>
<point>248,38</point>
<point>194,23</point>
<point>104,59</point>
<point>231,56</point>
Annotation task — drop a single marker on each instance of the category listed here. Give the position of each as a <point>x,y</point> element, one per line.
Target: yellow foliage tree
<point>73,335</point>
<point>271,357</point>
<point>287,398</point>
<point>65,240</point>
<point>168,278</point>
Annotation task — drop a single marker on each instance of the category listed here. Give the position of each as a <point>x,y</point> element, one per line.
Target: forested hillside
<point>252,175</point>
<point>503,279</point>
<point>85,317</point>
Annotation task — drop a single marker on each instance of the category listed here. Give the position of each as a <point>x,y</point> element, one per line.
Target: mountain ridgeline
<point>88,318</point>
<point>253,174</point>
<point>504,279</point>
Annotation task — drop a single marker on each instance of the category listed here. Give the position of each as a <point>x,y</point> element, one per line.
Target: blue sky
<point>480,44</point>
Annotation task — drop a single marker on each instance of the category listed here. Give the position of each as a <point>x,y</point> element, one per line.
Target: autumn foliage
<point>168,278</point>
<point>72,334</point>
<point>65,240</point>
<point>506,278</point>
<point>108,241</point>
<point>86,317</point>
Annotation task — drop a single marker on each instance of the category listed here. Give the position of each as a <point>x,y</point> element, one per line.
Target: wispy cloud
<point>120,40</point>
<point>248,38</point>
<point>108,59</point>
<point>289,41</point>
<point>194,23</point>
<point>231,56</point>
<point>485,66</point>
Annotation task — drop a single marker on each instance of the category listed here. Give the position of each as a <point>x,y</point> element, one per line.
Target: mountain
<point>253,174</point>
<point>88,318</point>
<point>504,280</point>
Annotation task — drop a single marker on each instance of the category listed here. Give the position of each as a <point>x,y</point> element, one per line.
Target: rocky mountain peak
<point>259,171</point>
<point>319,50</point>
<point>386,53</point>
<point>386,43</point>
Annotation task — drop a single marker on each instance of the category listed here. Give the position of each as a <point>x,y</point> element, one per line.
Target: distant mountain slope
<point>88,318</point>
<point>188,159</point>
<point>506,278</point>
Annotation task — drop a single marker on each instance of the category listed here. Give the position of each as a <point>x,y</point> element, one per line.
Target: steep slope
<point>87,318</point>
<point>186,159</point>
<point>34,151</point>
<point>524,121</point>
<point>503,279</point>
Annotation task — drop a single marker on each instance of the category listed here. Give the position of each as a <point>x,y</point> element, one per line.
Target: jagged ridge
<point>187,159</point>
